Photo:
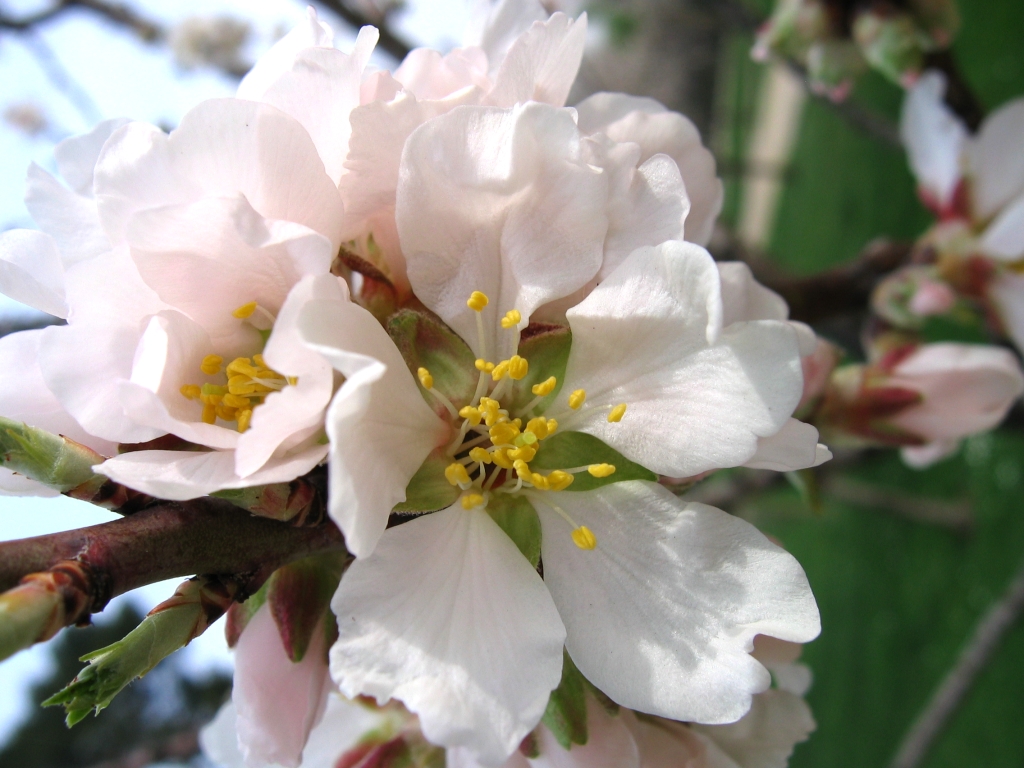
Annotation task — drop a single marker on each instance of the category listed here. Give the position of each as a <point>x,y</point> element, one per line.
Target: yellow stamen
<point>538,426</point>
<point>483,366</point>
<point>524,453</point>
<point>584,538</point>
<point>504,432</point>
<point>244,417</point>
<point>511,319</point>
<point>577,398</point>
<point>242,366</point>
<point>559,480</point>
<point>601,470</point>
<point>545,388</point>
<point>501,458</point>
<point>209,413</point>
<point>499,371</point>
<point>472,500</point>
<point>425,378</point>
<point>481,455</point>
<point>472,414</point>
<point>477,301</point>
<point>540,482</point>
<point>236,402</point>
<point>518,367</point>
<point>245,311</point>
<point>456,474</point>
<point>191,391</point>
<point>617,413</point>
<point>552,426</point>
<point>211,365</point>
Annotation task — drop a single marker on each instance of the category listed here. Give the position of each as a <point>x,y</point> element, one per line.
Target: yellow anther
<point>522,469</point>
<point>601,470</point>
<point>471,414</point>
<point>518,367</point>
<point>538,427</point>
<point>500,370</point>
<point>577,398</point>
<point>477,301</point>
<point>584,538</point>
<point>472,500</point>
<point>191,391</point>
<point>481,455</point>
<point>617,413</point>
<point>559,480</point>
<point>545,388</point>
<point>244,417</point>
<point>209,413</point>
<point>245,311</point>
<point>540,482</point>
<point>226,412</point>
<point>242,366</point>
<point>455,473</point>
<point>293,380</point>
<point>483,366</point>
<point>552,426</point>
<point>511,319</point>
<point>526,438</point>
<point>523,453</point>
<point>206,399</point>
<point>425,378</point>
<point>211,365</point>
<point>504,432</point>
<point>243,385</point>
<point>258,359</point>
<point>236,402</point>
<point>501,458</point>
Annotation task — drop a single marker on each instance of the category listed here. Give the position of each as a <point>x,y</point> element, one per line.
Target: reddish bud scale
<point>390,754</point>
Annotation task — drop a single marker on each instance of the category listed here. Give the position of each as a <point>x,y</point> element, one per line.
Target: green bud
<point>29,613</point>
<point>50,459</point>
<point>893,44</point>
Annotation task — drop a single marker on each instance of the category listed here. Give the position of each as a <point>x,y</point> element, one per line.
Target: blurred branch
<point>955,515</point>
<point>116,13</point>
<point>389,41</point>
<point>959,680</point>
<point>61,78</point>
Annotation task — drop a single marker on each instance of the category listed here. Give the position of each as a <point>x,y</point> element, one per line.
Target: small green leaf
<point>517,518</point>
<point>566,713</point>
<point>566,450</point>
<point>547,351</point>
<point>426,342</point>
<point>50,459</point>
<point>429,490</point>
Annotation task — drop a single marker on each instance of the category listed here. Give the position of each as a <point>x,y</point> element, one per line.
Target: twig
<point>959,680</point>
<point>119,14</point>
<point>61,78</point>
<point>955,515</point>
<point>388,41</point>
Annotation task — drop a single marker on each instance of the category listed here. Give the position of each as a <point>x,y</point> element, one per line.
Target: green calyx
<point>577,449</point>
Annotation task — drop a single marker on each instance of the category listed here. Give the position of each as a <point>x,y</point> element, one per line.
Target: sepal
<point>429,491</point>
<point>425,341</point>
<point>298,596</point>
<point>577,449</point>
<point>566,713</point>
<point>518,519</point>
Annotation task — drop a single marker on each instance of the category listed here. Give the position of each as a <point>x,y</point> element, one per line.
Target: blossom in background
<point>924,398</point>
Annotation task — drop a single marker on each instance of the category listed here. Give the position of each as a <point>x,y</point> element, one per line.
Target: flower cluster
<point>492,317</point>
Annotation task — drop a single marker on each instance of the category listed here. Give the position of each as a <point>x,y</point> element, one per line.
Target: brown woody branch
<point>116,13</point>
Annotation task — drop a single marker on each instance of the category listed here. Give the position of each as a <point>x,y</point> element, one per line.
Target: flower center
<point>248,379</point>
<point>493,447</point>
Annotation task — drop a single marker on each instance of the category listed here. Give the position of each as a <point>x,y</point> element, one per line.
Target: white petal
<point>743,298</point>
<point>71,219</point>
<point>343,725</point>
<point>495,26</point>
<point>766,735</point>
<point>793,447</point>
<point>499,201</point>
<point>995,161</point>
<point>542,63</point>
<point>225,246</point>
<point>1004,237</point>
<point>610,744</point>
<point>31,271</point>
<point>427,74</point>
<point>380,428</point>
<point>25,397</point>
<point>279,60</point>
<point>647,123</point>
<point>665,744</point>
<point>460,757</point>
<point>921,456</point>
<point>183,475</point>
<point>219,739</point>
<point>697,399</point>
<point>934,137</point>
<point>661,616</point>
<point>221,148</point>
<point>12,484</point>
<point>1007,293</point>
<point>300,406</point>
<point>76,157</point>
<point>277,701</point>
<point>447,616</point>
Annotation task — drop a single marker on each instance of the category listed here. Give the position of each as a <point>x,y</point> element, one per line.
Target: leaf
<point>426,342</point>
<point>429,490</point>
<point>546,348</point>
<point>517,518</point>
<point>566,713</point>
<point>566,450</point>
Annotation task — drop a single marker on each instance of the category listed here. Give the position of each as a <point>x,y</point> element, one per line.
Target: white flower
<point>650,595</point>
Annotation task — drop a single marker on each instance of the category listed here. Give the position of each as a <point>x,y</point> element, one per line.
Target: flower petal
<point>610,744</point>
<point>793,447</point>
<point>70,219</point>
<point>542,63</point>
<point>496,26</point>
<point>500,201</point>
<point>184,475</point>
<point>31,271</point>
<point>427,74</point>
<point>648,123</point>
<point>280,59</point>
<point>13,484</point>
<point>277,701</point>
<point>743,298</point>
<point>697,398</point>
<point>447,616</point>
<point>994,159</point>
<point>380,428</point>
<point>221,148</point>
<point>661,616</point>
<point>934,137</point>
<point>1004,237</point>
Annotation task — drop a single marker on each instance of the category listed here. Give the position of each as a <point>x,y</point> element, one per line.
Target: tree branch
<point>959,680</point>
<point>119,14</point>
<point>389,41</point>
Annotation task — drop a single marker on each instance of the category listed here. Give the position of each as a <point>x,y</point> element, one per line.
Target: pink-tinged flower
<point>924,398</point>
<point>501,207</point>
